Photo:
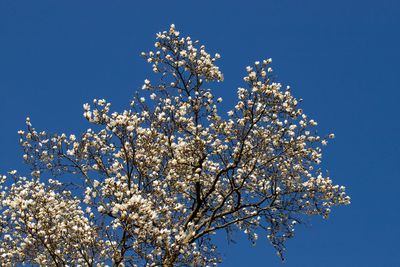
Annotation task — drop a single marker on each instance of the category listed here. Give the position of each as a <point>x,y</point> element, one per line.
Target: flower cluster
<point>43,224</point>
<point>157,180</point>
<point>177,56</point>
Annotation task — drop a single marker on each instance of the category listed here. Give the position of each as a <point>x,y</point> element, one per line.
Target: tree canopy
<point>151,185</point>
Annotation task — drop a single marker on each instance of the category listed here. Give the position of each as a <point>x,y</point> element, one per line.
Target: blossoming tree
<point>151,185</point>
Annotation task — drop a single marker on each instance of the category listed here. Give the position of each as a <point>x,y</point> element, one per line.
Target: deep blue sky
<point>342,57</point>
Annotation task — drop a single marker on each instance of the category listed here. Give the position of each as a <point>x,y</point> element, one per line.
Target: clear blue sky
<point>342,57</point>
